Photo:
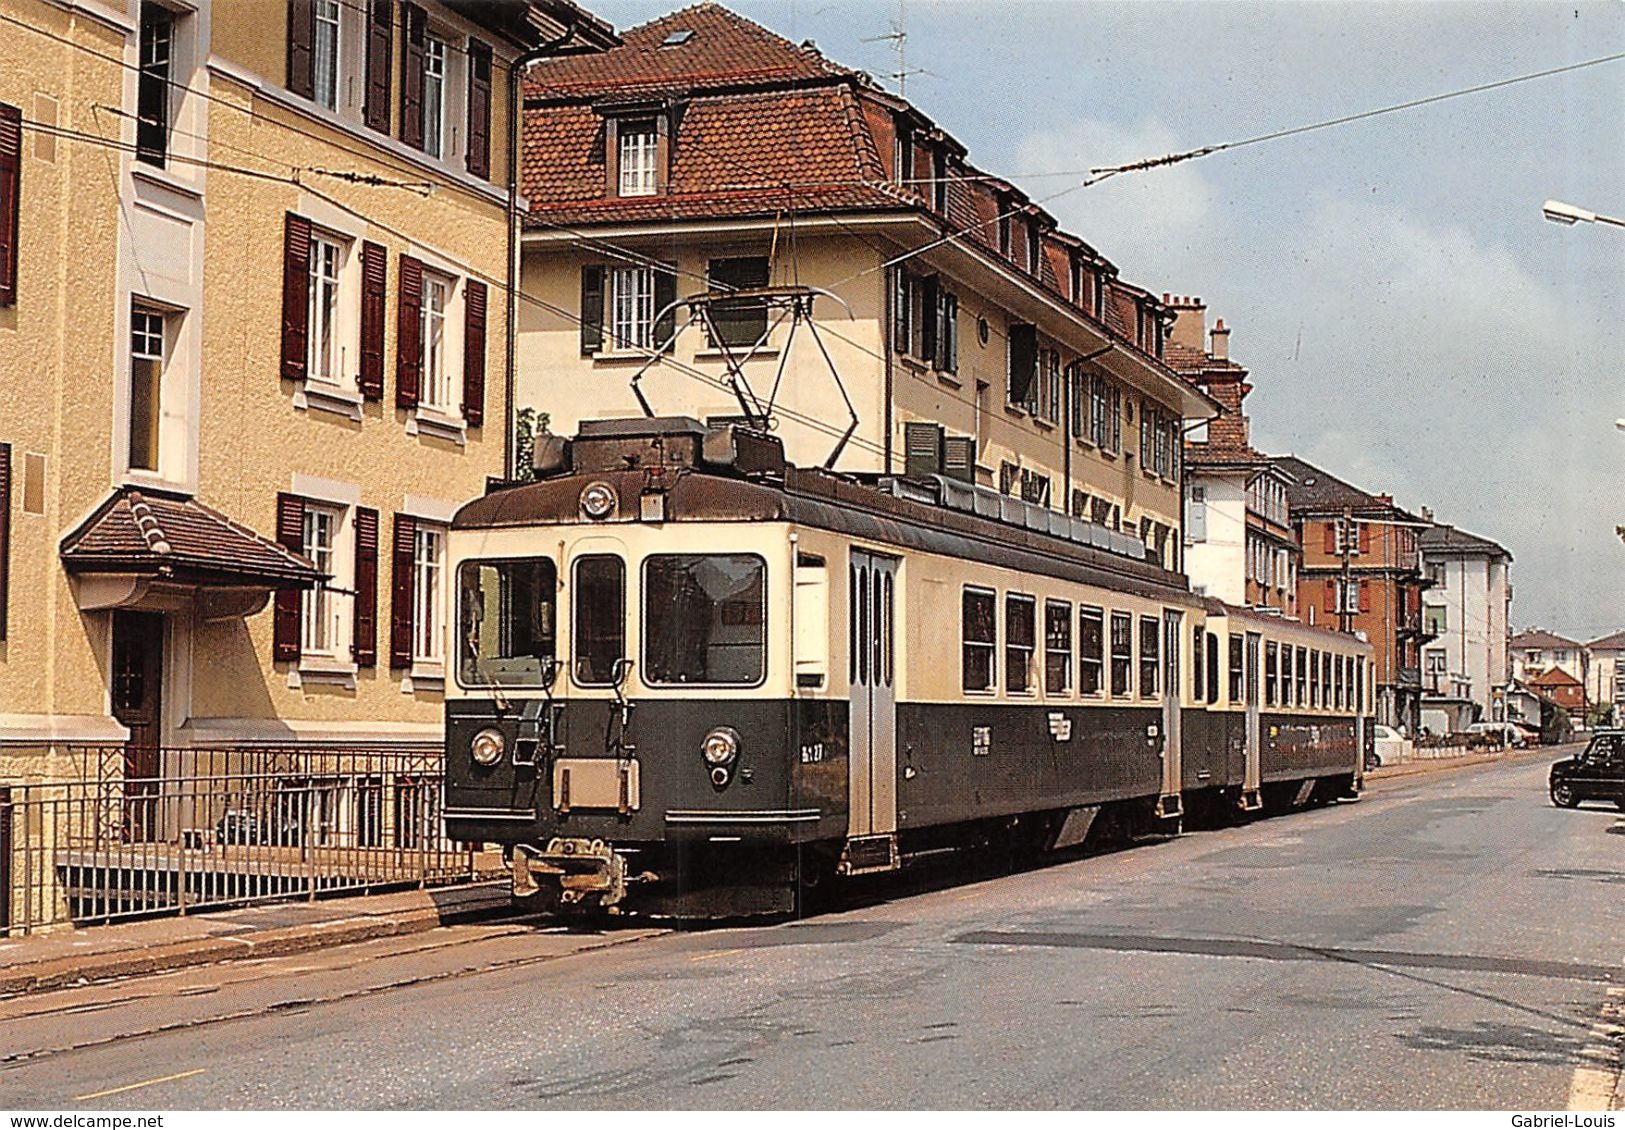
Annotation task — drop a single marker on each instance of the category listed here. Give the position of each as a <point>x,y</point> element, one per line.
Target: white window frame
<point>631,307</point>
<point>143,342</point>
<point>328,13</point>
<point>330,365</point>
<point>439,390</point>
<point>428,597</point>
<point>321,617</point>
<point>436,71</point>
<point>637,153</point>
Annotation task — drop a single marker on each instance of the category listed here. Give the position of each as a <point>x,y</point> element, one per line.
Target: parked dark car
<point>1596,774</point>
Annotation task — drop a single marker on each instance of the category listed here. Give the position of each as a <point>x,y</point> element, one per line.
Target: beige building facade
<point>254,358</point>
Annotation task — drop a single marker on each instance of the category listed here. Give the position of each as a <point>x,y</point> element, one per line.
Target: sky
<point>1411,323</point>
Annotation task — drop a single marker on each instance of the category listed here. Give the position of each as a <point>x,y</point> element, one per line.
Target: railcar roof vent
<point>639,443</point>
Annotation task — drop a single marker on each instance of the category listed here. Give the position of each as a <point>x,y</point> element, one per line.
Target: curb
<point>56,973</point>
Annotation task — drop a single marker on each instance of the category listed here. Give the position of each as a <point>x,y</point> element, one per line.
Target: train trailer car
<point>691,679</point>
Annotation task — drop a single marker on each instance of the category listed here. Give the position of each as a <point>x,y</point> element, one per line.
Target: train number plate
<point>595,782</point>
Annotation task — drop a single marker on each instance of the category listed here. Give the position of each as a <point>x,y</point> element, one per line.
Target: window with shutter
<point>380,48</point>
<point>479,108</point>
<point>948,334</point>
<point>402,591</point>
<point>474,298</point>
<point>290,533</point>
<point>5,534</point>
<point>409,334</point>
<point>374,271</point>
<point>930,312</point>
<point>902,320</point>
<point>414,60</point>
<point>295,297</point>
<point>364,624</point>
<point>738,322</point>
<point>11,167</point>
<point>301,47</point>
<point>1331,536</point>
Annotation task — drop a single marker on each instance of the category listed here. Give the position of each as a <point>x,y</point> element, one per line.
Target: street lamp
<point>1561,213</point>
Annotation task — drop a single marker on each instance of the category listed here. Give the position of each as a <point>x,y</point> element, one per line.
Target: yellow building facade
<point>254,357</point>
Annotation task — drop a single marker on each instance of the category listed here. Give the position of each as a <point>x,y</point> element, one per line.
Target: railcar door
<point>1252,775</point>
<point>1173,632</point>
<point>872,784</point>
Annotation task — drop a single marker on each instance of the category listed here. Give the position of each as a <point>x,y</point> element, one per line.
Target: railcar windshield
<point>506,619</point>
<point>705,619</point>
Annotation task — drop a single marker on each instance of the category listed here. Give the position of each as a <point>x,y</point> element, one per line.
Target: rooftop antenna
<point>898,38</point>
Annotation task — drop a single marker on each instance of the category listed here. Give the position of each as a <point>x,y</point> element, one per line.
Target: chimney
<point>1190,321</point>
<point>1427,513</point>
<point>1221,341</point>
<point>1385,499</point>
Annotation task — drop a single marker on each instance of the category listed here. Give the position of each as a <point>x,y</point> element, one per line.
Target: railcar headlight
<point>721,746</point>
<point>598,501</point>
<point>487,746</point>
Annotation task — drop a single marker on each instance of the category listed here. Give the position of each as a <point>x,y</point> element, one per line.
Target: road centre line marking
<point>138,1086</point>
<point>709,956</point>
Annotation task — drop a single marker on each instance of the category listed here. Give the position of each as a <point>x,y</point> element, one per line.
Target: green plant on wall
<point>529,423</point>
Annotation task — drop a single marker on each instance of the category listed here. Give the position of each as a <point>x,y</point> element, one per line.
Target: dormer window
<point>1032,248</point>
<point>939,181</point>
<point>638,151</point>
<point>1004,228</point>
<point>903,161</point>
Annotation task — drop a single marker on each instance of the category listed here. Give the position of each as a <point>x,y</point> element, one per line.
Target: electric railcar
<point>693,679</point>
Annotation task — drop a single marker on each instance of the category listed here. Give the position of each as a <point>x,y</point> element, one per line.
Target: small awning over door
<point>151,549</point>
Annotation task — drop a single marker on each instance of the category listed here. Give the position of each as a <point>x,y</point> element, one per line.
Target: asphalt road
<point>1450,941</point>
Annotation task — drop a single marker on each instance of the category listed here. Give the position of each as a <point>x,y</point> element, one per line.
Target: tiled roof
<point>1442,538</point>
<point>144,532</point>
<point>1615,642</point>
<point>1313,491</point>
<point>1554,677</point>
<point>722,49</point>
<point>1540,638</point>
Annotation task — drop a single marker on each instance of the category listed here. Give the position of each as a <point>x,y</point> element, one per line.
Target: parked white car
<point>1389,747</point>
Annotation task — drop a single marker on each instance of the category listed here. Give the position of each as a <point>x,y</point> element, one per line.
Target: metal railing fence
<point>142,831</point>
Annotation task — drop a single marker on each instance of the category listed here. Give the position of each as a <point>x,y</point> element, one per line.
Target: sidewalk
<point>1442,764</point>
<point>98,953</point>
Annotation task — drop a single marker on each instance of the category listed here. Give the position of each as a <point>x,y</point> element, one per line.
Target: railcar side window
<point>705,618</point>
<point>1091,649</point>
<point>1235,669</point>
<point>1326,679</point>
<point>1314,677</point>
<point>1271,671</point>
<point>1303,676</point>
<point>1122,653</point>
<point>505,621</point>
<point>1019,634</point>
<point>1197,682</point>
<point>598,625</point>
<point>977,640</point>
<point>1286,674</point>
<point>1057,647</point>
<point>1150,634</point>
<point>1213,667</point>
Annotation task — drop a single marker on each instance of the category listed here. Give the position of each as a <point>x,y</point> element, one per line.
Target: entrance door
<point>1173,633</point>
<point>871,662</point>
<point>138,675</point>
<point>1252,775</point>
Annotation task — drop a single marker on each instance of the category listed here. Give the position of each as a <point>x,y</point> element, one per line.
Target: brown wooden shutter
<point>11,186</point>
<point>301,47</point>
<point>1023,342</point>
<point>474,353</point>
<point>290,532</point>
<point>295,296</point>
<point>374,272</point>
<point>1331,596</point>
<point>380,45</point>
<point>409,334</point>
<point>479,108</point>
<point>5,533</point>
<point>1365,596</point>
<point>414,27</point>
<point>1331,536</point>
<point>364,645</point>
<point>402,582</point>
<point>592,309</point>
<point>1365,536</point>
<point>665,323</point>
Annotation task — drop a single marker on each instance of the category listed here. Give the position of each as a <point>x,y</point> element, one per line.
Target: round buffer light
<point>721,746</point>
<point>598,501</point>
<point>487,746</point>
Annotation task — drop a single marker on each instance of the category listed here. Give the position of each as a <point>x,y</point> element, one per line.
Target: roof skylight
<point>677,38</point>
